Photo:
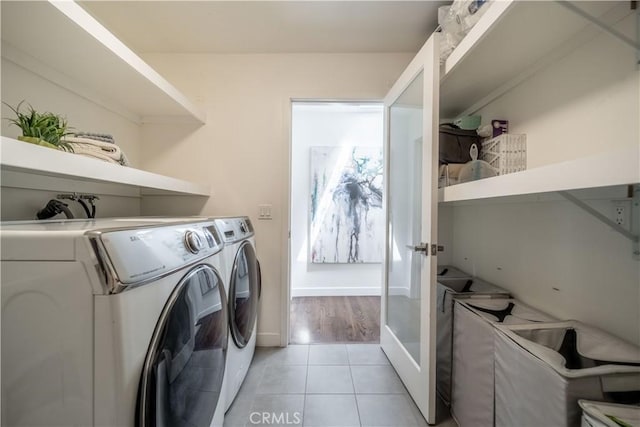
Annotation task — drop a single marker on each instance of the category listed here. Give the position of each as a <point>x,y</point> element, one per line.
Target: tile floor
<point>334,385</point>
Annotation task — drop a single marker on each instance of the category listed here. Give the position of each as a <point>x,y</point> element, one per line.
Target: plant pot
<point>37,141</point>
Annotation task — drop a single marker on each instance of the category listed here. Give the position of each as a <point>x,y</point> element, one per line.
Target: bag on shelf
<point>455,144</point>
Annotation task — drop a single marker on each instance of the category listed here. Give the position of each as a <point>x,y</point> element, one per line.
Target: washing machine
<point>113,323</point>
<point>244,287</point>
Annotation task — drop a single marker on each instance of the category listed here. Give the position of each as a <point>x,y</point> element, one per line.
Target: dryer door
<point>181,380</point>
<point>243,294</point>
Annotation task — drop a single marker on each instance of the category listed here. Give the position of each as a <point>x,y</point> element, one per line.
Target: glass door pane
<point>405,216</point>
<point>408,329</point>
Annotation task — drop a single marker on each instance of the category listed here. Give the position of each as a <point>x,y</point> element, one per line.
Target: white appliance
<point>113,322</point>
<point>244,281</point>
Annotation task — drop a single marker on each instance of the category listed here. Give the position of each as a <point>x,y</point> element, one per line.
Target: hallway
<point>335,319</point>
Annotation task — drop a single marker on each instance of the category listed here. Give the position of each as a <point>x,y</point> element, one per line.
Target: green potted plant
<point>44,129</point>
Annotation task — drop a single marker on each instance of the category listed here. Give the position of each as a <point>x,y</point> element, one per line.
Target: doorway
<point>336,222</point>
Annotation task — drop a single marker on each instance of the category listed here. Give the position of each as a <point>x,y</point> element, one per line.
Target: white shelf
<point>510,42</point>
<point>28,158</point>
<point>615,167</point>
<point>65,44</point>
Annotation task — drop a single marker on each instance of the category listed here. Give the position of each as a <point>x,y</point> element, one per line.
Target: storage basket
<point>599,414</point>
<point>506,153</point>
<point>472,397</point>
<point>447,289</point>
<point>451,272</point>
<point>541,371</point>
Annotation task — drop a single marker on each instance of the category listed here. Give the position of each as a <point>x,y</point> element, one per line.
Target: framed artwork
<point>346,216</point>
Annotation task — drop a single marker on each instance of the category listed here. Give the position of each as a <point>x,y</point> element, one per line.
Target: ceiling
<point>268,26</point>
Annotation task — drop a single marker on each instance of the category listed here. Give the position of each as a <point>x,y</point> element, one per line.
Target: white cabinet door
<point>408,318</point>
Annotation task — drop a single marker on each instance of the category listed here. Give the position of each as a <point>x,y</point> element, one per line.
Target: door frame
<point>427,61</point>
<point>285,301</point>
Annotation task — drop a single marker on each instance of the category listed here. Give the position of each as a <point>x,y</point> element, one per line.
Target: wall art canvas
<point>346,217</point>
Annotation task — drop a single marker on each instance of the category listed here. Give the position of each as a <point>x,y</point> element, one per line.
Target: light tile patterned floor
<point>333,385</point>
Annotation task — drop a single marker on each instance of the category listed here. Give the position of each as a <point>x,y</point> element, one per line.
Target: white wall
<point>553,256</point>
<point>583,104</point>
<point>22,196</point>
<point>243,150</point>
<point>328,125</point>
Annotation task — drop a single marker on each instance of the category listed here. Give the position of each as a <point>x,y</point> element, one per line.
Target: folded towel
<point>98,149</point>
<point>104,137</point>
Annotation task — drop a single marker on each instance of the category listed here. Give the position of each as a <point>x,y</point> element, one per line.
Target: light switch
<point>264,211</point>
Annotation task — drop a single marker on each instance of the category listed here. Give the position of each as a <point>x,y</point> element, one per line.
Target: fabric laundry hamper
<point>447,290</point>
<point>603,414</point>
<point>542,370</point>
<point>450,271</point>
<point>472,383</point>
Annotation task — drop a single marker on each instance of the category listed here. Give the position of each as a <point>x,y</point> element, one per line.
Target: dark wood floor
<point>335,320</point>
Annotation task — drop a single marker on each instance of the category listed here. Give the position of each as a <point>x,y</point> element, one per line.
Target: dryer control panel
<point>140,254</point>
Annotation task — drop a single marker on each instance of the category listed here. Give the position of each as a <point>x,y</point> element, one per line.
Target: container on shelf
<point>542,370</point>
<point>506,153</point>
<point>472,397</point>
<point>603,414</point>
<point>447,289</point>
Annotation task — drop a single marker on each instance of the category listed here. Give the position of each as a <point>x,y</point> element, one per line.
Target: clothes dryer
<point>244,287</point>
<point>111,322</point>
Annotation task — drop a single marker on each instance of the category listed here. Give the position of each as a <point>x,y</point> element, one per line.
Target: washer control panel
<point>143,253</point>
<point>193,242</point>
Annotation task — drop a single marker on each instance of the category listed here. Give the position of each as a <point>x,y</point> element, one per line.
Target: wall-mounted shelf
<point>610,168</point>
<point>63,43</point>
<point>41,161</point>
<point>514,39</point>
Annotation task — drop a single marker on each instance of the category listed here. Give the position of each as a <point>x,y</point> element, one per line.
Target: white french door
<point>408,313</point>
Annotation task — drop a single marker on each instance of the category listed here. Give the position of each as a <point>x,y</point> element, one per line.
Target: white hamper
<point>447,290</point>
<point>603,414</point>
<point>472,369</point>
<point>541,370</point>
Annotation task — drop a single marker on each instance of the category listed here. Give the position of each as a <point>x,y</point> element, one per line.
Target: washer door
<point>182,375</point>
<point>243,294</point>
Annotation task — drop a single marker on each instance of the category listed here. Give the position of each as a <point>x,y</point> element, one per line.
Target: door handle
<point>422,247</point>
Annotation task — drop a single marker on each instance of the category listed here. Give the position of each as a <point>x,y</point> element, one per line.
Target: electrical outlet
<point>619,215</point>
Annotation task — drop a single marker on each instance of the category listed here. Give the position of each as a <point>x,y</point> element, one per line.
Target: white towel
<point>101,150</point>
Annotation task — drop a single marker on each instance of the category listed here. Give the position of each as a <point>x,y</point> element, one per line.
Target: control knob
<point>193,242</point>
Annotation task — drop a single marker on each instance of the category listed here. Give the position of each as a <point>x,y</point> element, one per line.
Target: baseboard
<point>335,291</point>
<point>267,339</point>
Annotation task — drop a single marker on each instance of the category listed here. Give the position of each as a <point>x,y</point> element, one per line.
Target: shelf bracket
<point>635,215</point>
<point>635,44</point>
